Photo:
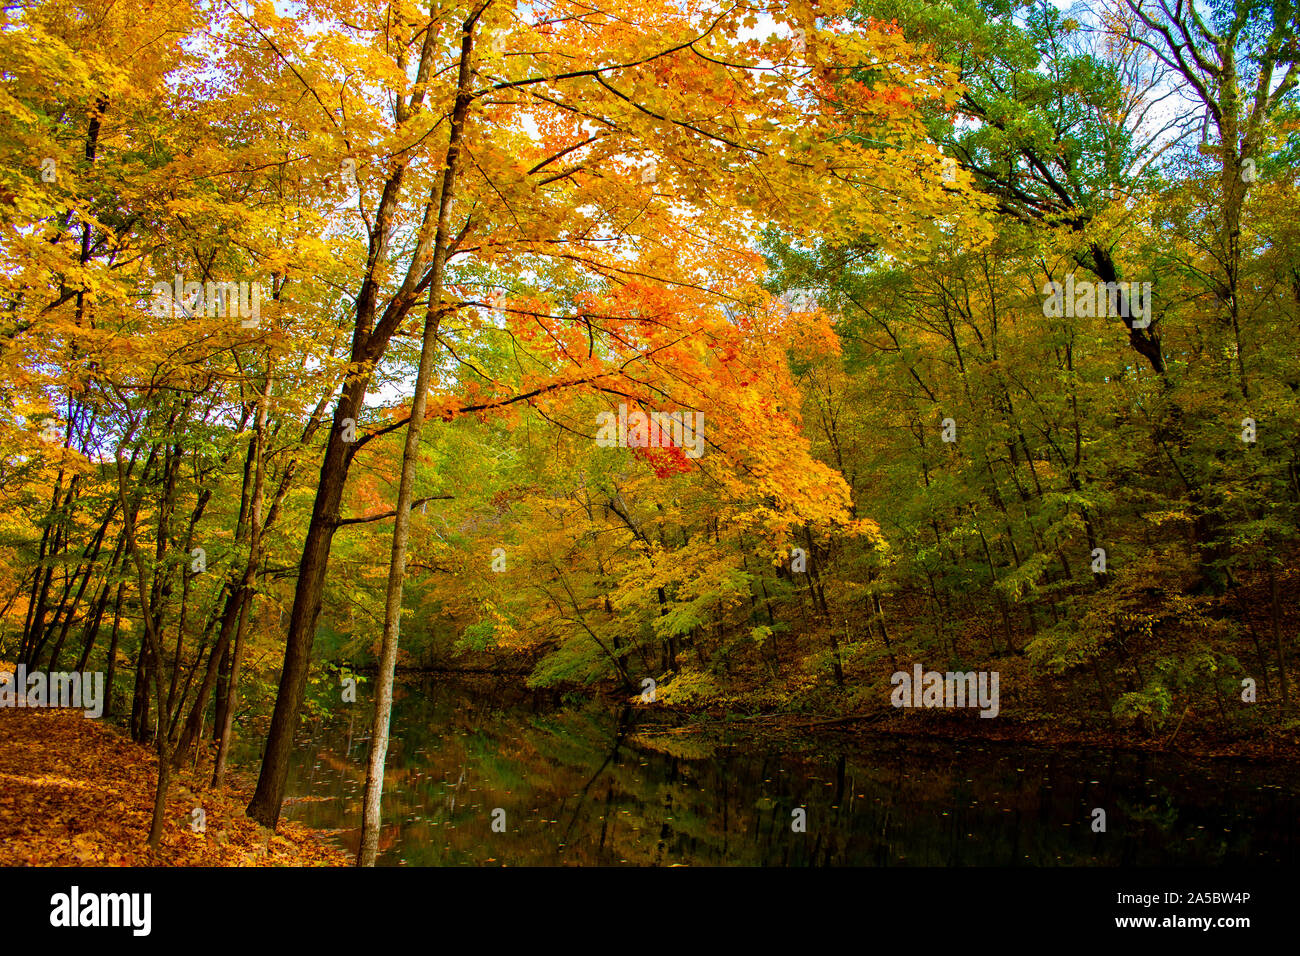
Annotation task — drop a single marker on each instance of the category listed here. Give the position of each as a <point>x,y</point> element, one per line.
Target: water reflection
<point>586,784</point>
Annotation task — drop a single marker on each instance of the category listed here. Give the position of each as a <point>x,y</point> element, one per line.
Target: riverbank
<point>1193,738</point>
<point>1039,715</point>
<point>75,792</point>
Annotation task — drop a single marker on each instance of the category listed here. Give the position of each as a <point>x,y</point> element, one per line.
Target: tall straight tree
<point>378,751</point>
<point>622,148</point>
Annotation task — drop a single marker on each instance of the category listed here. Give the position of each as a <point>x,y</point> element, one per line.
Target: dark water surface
<point>591,784</point>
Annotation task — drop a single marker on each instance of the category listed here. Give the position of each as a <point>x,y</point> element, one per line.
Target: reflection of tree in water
<point>594,785</point>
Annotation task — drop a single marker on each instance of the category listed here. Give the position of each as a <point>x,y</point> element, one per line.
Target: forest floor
<point>75,792</point>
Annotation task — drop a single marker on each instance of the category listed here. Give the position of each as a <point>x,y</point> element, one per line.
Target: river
<point>482,773</point>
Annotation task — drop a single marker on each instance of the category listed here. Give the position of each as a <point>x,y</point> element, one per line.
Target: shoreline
<point>1276,745</point>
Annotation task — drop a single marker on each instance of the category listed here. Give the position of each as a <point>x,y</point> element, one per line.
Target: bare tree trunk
<point>370,819</point>
<point>880,619</point>
<point>193,728</point>
<point>269,796</point>
<point>371,336</point>
<point>154,645</point>
<point>232,697</point>
<point>250,573</point>
<point>1277,639</point>
<point>112,651</point>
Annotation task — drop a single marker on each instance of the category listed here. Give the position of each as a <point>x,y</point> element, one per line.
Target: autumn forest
<point>407,407</point>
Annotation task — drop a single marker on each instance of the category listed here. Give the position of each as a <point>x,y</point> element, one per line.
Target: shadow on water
<point>585,785</point>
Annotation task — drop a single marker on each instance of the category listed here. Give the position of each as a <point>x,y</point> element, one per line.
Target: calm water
<point>590,784</point>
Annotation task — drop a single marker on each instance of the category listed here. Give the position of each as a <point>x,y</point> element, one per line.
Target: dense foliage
<point>823,236</point>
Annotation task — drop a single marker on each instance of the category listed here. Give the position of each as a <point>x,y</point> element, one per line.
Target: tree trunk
<point>267,799</point>
<point>370,819</point>
<point>232,698</point>
<point>369,341</point>
<point>1277,639</point>
<point>258,450</point>
<point>112,652</point>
